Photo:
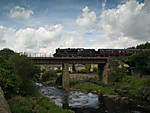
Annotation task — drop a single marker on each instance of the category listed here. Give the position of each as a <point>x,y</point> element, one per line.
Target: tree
<point>141,61</point>
<point>141,46</point>
<point>87,68</point>
<point>6,53</point>
<point>49,75</point>
<point>37,72</point>
<point>24,70</point>
<point>7,78</point>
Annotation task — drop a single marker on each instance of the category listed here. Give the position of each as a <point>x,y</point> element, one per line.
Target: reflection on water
<point>81,102</point>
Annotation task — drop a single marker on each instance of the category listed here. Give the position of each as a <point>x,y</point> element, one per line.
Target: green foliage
<point>142,46</point>
<point>34,104</point>
<point>6,53</point>
<point>87,68</point>
<point>58,70</point>
<point>37,73</point>
<point>117,75</point>
<point>135,87</point>
<point>49,75</point>
<point>82,71</point>
<point>73,68</point>
<point>141,61</point>
<point>7,77</point>
<point>24,70</point>
<point>95,70</point>
<point>92,87</point>
<point>59,80</point>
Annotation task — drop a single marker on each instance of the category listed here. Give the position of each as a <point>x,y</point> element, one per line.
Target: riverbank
<point>34,104</point>
<point>129,94</point>
<point>83,101</point>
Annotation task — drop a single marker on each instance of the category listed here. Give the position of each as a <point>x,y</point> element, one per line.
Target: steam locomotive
<point>81,52</point>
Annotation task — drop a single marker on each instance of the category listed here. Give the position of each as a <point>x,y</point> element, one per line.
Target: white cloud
<point>43,39</point>
<point>87,21</point>
<point>127,20</point>
<point>104,4</point>
<point>20,13</point>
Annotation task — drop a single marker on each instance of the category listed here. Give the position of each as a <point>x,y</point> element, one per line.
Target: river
<point>81,102</point>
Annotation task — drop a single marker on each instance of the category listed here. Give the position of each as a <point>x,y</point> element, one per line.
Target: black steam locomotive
<point>81,52</point>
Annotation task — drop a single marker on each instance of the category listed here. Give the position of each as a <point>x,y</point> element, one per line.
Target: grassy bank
<point>34,104</point>
<point>129,86</point>
<point>91,87</point>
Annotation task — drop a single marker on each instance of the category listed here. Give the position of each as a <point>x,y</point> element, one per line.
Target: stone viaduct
<point>103,62</point>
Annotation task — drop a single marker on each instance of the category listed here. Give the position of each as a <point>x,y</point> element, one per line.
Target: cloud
<point>20,13</point>
<point>130,19</point>
<point>104,4</point>
<point>43,39</point>
<point>87,21</point>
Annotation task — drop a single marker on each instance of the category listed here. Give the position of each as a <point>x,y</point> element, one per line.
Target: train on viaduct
<point>81,52</point>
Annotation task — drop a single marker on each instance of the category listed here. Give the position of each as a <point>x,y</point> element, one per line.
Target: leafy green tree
<point>37,72</point>
<point>141,46</point>
<point>7,78</point>
<point>6,53</point>
<point>49,75</point>
<point>24,70</point>
<point>87,68</point>
<point>117,75</point>
<point>141,61</point>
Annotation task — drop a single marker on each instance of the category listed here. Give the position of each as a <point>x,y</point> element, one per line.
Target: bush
<point>49,75</point>
<point>37,73</point>
<point>59,80</point>
<point>95,70</point>
<point>34,104</point>
<point>58,70</point>
<point>82,71</point>
<point>7,78</point>
<point>141,61</point>
<point>87,68</point>
<point>117,75</point>
<point>24,70</point>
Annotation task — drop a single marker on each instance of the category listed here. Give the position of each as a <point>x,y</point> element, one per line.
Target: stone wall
<point>4,107</point>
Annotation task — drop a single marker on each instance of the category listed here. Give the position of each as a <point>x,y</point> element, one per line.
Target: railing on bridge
<point>36,54</point>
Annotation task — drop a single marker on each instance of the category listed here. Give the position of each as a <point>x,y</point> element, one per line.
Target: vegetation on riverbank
<point>90,87</point>
<point>133,87</point>
<point>17,77</point>
<point>34,104</point>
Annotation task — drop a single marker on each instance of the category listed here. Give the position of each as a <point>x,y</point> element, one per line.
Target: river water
<point>81,102</point>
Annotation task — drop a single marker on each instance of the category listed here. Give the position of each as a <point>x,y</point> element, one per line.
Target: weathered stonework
<point>65,77</point>
<point>4,107</point>
<point>112,64</point>
<point>106,73</point>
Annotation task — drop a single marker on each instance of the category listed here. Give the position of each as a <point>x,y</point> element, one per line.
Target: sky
<point>41,26</point>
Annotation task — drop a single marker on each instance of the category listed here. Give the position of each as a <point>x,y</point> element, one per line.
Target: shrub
<point>34,104</point>
<point>24,70</point>
<point>49,75</point>
<point>82,71</point>
<point>87,68</point>
<point>117,75</point>
<point>59,80</point>
<point>7,77</point>
<point>95,70</point>
<point>141,61</point>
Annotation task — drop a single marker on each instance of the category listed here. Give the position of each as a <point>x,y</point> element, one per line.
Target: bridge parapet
<point>69,60</point>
